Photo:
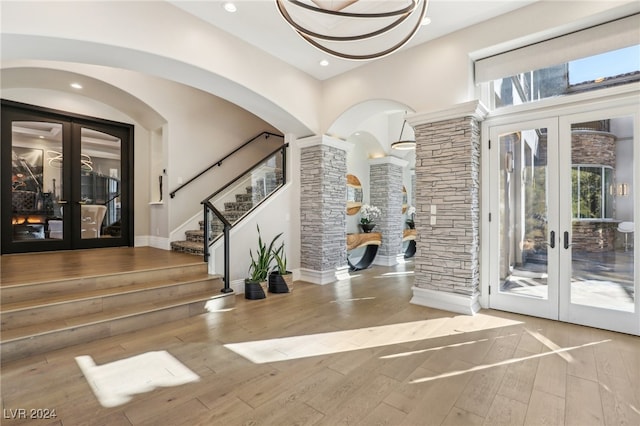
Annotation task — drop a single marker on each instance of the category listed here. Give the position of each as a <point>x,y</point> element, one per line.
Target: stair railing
<point>218,163</point>
<point>208,206</point>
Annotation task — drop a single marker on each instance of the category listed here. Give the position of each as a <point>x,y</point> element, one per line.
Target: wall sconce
<point>620,190</point>
<point>508,162</point>
<point>623,189</point>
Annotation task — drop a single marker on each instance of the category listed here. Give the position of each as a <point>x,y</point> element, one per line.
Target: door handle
<point>63,202</point>
<point>552,238</point>
<point>566,240</point>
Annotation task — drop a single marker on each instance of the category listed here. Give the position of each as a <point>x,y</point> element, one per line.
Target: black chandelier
<point>404,144</point>
<point>313,19</point>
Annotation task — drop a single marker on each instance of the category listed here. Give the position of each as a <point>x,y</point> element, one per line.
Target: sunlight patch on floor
<point>439,348</point>
<point>550,344</point>
<point>117,382</point>
<point>352,300</point>
<point>505,362</point>
<point>395,274</point>
<point>287,348</point>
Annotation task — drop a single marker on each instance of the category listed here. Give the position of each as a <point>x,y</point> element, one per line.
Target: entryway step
<point>29,312</point>
<point>38,317</point>
<point>52,335</point>
<point>81,285</point>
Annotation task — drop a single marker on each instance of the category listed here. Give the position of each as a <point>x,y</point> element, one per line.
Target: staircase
<point>232,211</point>
<point>45,316</point>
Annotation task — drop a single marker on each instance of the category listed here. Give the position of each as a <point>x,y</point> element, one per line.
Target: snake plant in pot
<point>256,285</point>
<point>280,280</point>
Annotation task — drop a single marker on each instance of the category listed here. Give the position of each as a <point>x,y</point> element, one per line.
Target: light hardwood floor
<point>351,353</point>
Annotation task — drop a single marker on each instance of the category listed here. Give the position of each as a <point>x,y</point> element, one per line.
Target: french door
<point>65,181</point>
<point>565,234</point>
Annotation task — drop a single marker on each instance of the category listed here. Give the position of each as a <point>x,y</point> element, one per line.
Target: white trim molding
<point>475,109</point>
<point>152,241</point>
<point>324,140</point>
<point>458,303</point>
<point>237,286</point>
<point>386,260</point>
<point>324,277</point>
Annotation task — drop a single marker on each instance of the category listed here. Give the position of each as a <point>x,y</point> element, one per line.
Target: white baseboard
<point>323,277</point>
<point>452,302</point>
<point>237,286</point>
<point>141,241</point>
<point>151,241</point>
<point>386,260</point>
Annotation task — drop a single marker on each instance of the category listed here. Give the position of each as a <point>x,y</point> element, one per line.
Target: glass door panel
<point>527,228</point>
<point>100,189</point>
<point>599,273</point>
<point>36,183</point>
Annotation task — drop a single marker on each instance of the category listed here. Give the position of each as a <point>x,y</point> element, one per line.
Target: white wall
<point>438,74</point>
<point>162,40</point>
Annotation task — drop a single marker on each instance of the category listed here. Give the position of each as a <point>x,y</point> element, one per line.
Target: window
<point>595,72</point>
<point>593,191</point>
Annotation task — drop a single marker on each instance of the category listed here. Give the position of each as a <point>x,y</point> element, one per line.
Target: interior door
<point>524,276</point>
<point>65,181</point>
<point>599,217</point>
<point>100,201</point>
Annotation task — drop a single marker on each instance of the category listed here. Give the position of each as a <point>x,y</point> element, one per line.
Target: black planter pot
<point>253,290</point>
<point>367,227</point>
<point>278,283</point>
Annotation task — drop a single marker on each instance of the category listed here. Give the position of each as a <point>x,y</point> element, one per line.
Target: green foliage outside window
<point>591,196</point>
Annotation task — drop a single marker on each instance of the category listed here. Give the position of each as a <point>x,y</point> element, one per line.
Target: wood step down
<point>45,316</point>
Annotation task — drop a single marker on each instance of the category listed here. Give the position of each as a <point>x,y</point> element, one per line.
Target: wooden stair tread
<point>104,292</point>
<point>87,277</point>
<point>96,318</point>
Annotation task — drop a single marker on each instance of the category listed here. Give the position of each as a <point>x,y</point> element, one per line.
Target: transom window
<point>595,72</point>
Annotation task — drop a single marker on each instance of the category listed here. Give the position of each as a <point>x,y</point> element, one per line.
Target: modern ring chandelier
<point>354,29</point>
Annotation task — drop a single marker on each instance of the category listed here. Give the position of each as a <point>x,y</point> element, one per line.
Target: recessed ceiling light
<point>426,21</point>
<point>76,85</point>
<point>324,63</point>
<point>230,7</point>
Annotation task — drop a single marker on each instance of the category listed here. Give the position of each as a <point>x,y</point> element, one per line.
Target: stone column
<point>447,208</point>
<point>385,192</point>
<point>323,209</point>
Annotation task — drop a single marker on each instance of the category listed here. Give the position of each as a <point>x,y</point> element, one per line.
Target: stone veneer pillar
<point>323,209</point>
<point>385,192</point>
<point>447,208</point>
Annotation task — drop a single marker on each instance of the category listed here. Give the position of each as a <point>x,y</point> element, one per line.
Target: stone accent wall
<point>413,190</point>
<point>385,183</point>
<point>592,147</point>
<point>448,177</point>
<point>594,236</point>
<point>323,206</point>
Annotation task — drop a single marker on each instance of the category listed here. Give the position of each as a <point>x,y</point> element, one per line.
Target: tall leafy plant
<point>280,257</point>
<point>261,262</point>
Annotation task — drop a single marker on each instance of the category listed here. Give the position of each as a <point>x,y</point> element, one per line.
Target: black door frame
<point>71,124</point>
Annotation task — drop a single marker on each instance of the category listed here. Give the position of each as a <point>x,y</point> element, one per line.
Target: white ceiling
<point>258,22</point>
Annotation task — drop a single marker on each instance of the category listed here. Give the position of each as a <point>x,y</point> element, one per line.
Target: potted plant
<point>367,215</point>
<point>411,212</point>
<point>280,280</point>
<point>256,285</point>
